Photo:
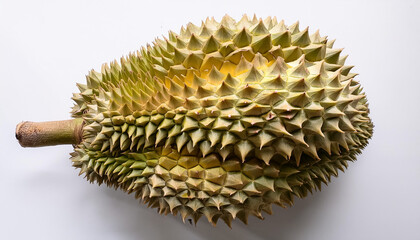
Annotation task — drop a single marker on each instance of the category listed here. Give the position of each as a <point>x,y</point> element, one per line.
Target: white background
<point>48,46</point>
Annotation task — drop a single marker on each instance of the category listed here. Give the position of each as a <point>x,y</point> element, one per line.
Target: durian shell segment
<point>254,92</point>
<point>195,186</point>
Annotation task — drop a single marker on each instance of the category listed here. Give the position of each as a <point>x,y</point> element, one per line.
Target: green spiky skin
<point>222,120</point>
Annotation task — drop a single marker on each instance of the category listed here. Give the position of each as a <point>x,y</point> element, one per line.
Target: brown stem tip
<point>39,134</point>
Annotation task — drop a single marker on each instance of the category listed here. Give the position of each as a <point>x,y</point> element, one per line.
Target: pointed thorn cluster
<point>223,119</point>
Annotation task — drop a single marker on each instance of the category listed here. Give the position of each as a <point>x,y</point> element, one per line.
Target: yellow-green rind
<point>223,120</point>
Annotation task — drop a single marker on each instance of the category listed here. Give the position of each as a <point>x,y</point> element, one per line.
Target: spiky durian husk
<point>223,119</point>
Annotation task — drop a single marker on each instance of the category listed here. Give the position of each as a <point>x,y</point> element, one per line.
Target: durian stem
<point>39,134</point>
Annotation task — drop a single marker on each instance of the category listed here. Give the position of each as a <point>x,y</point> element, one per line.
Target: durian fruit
<point>222,120</point>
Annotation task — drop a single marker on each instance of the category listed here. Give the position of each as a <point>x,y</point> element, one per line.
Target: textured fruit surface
<point>222,120</point>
